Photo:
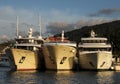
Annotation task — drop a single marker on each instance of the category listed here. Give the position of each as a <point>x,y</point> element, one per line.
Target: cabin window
<point>40,42</point>
<point>21,47</point>
<point>22,59</point>
<point>109,49</point>
<point>52,59</point>
<point>6,60</point>
<point>35,42</point>
<point>95,49</point>
<point>63,60</point>
<point>102,64</point>
<point>29,48</point>
<point>91,64</point>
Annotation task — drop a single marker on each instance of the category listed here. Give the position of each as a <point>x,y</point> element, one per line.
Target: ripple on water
<point>62,77</point>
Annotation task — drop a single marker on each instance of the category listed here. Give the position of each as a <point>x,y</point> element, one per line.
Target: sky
<point>56,15</point>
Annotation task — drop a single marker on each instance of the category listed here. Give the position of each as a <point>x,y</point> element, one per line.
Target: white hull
<point>26,59</point>
<point>95,60</point>
<point>59,57</point>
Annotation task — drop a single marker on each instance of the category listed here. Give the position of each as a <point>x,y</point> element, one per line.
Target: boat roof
<point>60,43</point>
<point>36,45</point>
<point>29,39</point>
<point>95,46</point>
<point>95,38</point>
<point>55,39</point>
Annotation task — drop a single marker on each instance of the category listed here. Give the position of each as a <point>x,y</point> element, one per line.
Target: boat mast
<point>17,26</point>
<point>39,24</point>
<point>62,36</point>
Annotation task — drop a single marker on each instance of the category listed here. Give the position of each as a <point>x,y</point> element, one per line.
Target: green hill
<point>110,30</point>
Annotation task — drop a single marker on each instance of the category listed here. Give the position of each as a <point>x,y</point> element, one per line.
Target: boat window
<point>98,41</point>
<point>22,59</point>
<point>6,60</point>
<point>102,64</point>
<point>40,42</point>
<point>109,49</point>
<point>90,41</point>
<point>36,48</point>
<point>104,41</point>
<point>101,41</point>
<point>95,49</point>
<point>62,60</point>
<point>21,47</point>
<point>35,42</point>
<point>21,41</point>
<point>83,41</point>
<point>94,41</point>
<point>30,48</point>
<point>91,64</point>
<point>25,41</point>
<point>52,59</point>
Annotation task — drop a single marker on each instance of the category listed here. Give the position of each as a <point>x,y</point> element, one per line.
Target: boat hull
<point>59,57</point>
<point>26,59</point>
<point>95,61</point>
<point>4,61</point>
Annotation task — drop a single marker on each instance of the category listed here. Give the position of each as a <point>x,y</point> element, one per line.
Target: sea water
<point>59,77</point>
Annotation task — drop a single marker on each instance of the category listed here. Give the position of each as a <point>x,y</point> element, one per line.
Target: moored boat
<point>4,61</point>
<point>95,53</point>
<point>26,53</point>
<point>59,53</point>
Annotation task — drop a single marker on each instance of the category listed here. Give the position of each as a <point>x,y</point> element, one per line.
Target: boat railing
<point>60,42</point>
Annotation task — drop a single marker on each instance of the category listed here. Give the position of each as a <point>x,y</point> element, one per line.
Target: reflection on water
<point>60,77</point>
<point>105,77</point>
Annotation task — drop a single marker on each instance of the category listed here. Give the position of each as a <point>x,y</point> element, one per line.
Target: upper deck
<point>29,42</point>
<point>29,39</point>
<point>94,42</point>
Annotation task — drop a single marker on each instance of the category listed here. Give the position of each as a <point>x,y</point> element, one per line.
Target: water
<point>61,77</point>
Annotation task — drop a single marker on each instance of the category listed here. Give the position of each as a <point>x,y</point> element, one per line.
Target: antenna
<point>17,26</point>
<point>39,24</point>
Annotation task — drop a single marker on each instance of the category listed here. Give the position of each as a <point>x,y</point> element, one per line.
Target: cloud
<point>29,17</point>
<point>8,20</point>
<point>53,20</point>
<point>91,22</point>
<point>4,38</point>
<point>57,27</point>
<point>106,11</point>
<point>109,11</point>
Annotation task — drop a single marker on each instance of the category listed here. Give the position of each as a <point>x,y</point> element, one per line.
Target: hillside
<point>110,30</point>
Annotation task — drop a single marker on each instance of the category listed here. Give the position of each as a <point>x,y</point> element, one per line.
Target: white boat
<point>95,53</point>
<point>59,53</point>
<point>26,53</point>
<point>4,61</point>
